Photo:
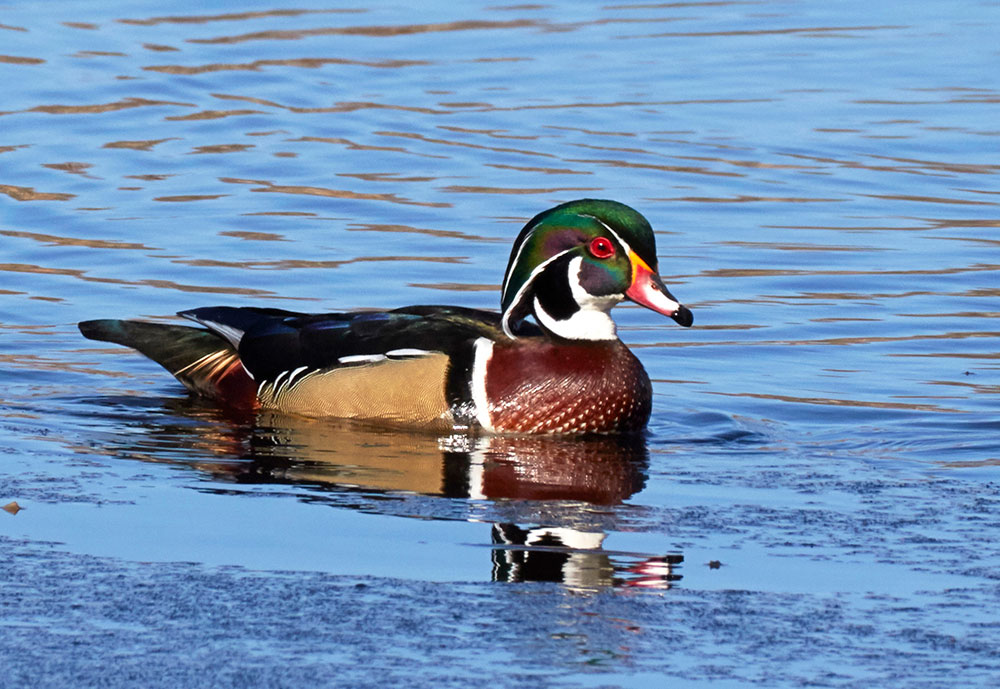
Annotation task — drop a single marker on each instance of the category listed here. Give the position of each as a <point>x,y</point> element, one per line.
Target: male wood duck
<point>550,362</point>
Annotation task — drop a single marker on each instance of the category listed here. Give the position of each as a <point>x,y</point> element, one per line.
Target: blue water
<point>815,503</point>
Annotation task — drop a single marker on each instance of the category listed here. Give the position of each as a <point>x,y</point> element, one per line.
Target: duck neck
<point>565,310</point>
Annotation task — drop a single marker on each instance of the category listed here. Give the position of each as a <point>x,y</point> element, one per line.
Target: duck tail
<point>204,362</point>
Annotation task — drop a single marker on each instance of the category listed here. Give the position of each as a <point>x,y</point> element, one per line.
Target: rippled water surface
<point>817,500</point>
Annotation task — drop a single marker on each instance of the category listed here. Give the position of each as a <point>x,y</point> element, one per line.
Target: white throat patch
<point>592,321</point>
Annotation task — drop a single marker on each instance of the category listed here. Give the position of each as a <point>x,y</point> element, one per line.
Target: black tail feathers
<point>172,346</point>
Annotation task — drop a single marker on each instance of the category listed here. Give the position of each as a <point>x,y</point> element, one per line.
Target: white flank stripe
<point>291,376</point>
<point>482,353</point>
<point>277,379</point>
<point>361,359</point>
<point>407,352</point>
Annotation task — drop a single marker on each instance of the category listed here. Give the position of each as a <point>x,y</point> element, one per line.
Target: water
<point>816,501</point>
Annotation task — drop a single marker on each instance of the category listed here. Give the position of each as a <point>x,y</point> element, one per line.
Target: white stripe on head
<point>617,236</point>
<point>517,257</point>
<point>505,320</point>
<point>514,260</point>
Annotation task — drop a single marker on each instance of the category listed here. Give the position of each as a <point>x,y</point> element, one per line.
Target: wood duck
<point>549,362</point>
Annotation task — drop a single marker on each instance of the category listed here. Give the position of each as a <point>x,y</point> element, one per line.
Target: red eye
<point>601,247</point>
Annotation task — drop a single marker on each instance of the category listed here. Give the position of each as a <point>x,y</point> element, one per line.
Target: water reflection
<point>566,484</point>
<point>574,558</point>
<point>602,470</point>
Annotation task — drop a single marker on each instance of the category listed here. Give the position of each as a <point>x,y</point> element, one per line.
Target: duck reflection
<point>574,558</point>
<point>558,481</point>
<point>602,470</point>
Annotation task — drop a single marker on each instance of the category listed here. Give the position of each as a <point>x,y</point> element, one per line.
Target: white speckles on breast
<point>611,395</point>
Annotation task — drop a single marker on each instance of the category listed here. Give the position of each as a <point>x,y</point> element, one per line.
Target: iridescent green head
<point>571,264</point>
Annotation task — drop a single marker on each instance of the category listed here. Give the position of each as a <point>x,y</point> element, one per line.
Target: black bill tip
<point>683,316</point>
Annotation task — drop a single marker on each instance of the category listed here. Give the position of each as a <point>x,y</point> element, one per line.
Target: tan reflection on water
<point>149,178</point>
<point>827,341</point>
<point>292,214</point>
<point>71,168</point>
<point>430,232</point>
<point>463,144</point>
<point>160,48</point>
<point>744,198</point>
<point>604,105</point>
<point>56,240</point>
<point>254,236</point>
<point>233,16</point>
<point>36,362</point>
<point>685,169</point>
<point>908,166</point>
<point>13,60</point>
<point>543,170</point>
<point>29,194</point>
<point>843,31</point>
<point>98,53</point>
<point>354,146</point>
<point>778,246</point>
<point>189,197</point>
<point>467,189</point>
<point>264,186</point>
<point>930,199</point>
<point>298,264</point>
<point>123,104</point>
<point>785,272</point>
<point>340,107</point>
<point>221,148</point>
<point>213,115</point>
<point>456,286</point>
<point>836,402</point>
<point>952,355</point>
<point>303,62</point>
<point>157,284</point>
<point>400,30</point>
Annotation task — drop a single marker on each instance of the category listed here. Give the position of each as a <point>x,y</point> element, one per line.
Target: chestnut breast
<point>540,386</point>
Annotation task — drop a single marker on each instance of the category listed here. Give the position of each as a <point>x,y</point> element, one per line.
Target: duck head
<point>571,264</point>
